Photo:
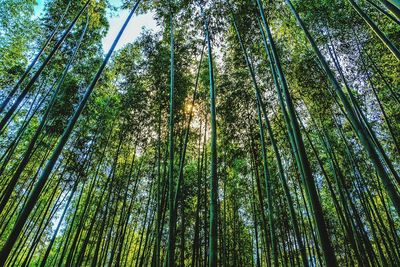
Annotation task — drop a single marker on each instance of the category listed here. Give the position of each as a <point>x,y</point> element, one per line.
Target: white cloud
<point>39,7</point>
<point>132,31</point>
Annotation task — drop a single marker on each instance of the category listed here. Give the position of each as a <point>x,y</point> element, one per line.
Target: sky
<point>116,20</point>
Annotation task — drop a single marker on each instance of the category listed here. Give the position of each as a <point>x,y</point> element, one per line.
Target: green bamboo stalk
<point>27,88</point>
<point>213,233</point>
<point>376,30</point>
<point>393,6</point>
<point>261,106</point>
<point>5,251</point>
<point>34,60</point>
<point>358,126</point>
<point>384,12</point>
<point>323,235</point>
<point>172,220</point>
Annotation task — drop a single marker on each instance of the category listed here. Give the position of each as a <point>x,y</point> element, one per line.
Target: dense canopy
<point>235,133</point>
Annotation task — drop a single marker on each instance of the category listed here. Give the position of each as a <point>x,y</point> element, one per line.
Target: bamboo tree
<point>384,12</point>
<point>5,251</point>
<point>376,30</point>
<point>356,124</point>
<point>172,219</point>
<point>32,81</point>
<point>385,116</point>
<point>267,177</point>
<point>187,132</point>
<point>34,60</point>
<point>106,191</point>
<point>200,161</point>
<point>28,153</point>
<point>261,107</point>
<point>327,249</point>
<point>393,6</point>
<point>213,233</point>
<point>254,163</point>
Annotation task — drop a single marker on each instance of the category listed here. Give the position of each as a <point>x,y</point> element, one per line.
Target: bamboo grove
<point>237,133</point>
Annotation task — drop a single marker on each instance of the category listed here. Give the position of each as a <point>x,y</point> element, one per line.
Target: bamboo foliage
<point>281,149</point>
